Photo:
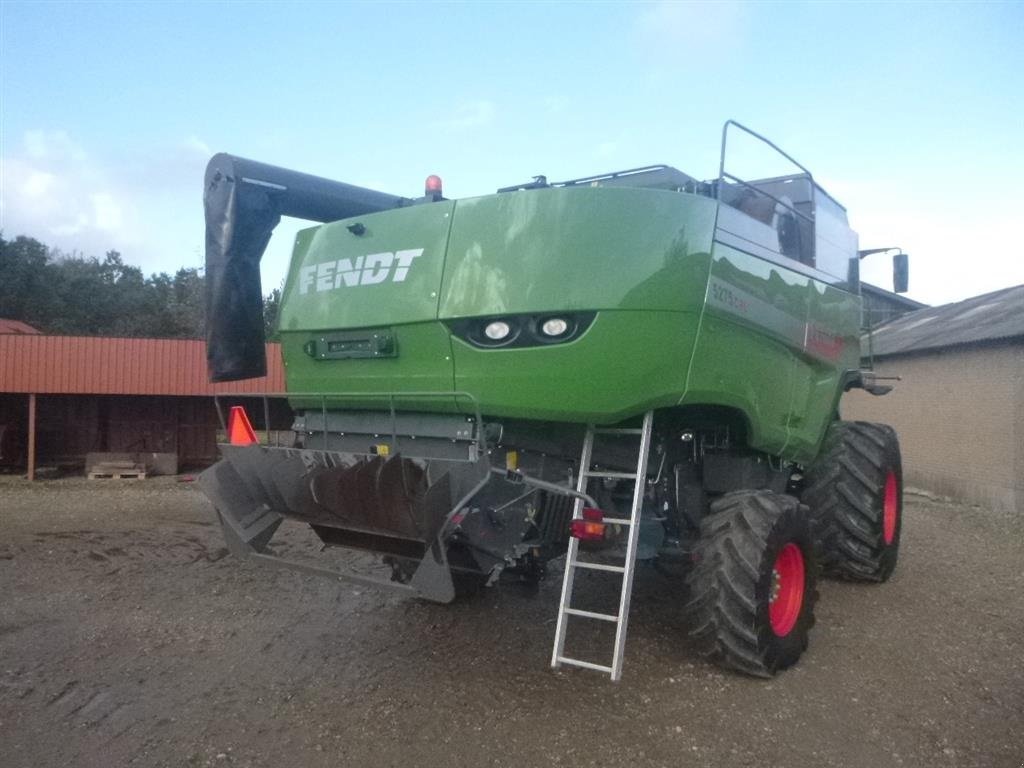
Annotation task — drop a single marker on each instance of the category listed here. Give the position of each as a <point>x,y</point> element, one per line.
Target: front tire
<point>753,587</point>
<point>855,493</point>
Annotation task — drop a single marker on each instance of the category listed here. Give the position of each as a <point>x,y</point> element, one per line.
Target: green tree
<point>271,310</point>
<point>189,304</point>
<point>78,295</point>
<point>25,280</point>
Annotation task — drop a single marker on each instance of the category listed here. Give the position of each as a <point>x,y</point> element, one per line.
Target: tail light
<point>589,527</point>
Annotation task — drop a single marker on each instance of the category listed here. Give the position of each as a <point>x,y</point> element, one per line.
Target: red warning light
<point>432,186</point>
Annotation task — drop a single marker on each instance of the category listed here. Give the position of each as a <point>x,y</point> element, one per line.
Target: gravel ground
<point>128,637</point>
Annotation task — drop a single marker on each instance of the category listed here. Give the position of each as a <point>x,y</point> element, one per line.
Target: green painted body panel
<point>578,249</point>
<point>773,344</point>
<point>680,319</point>
<point>333,302</point>
<point>407,308</point>
<point>423,364</point>
<point>581,381</point>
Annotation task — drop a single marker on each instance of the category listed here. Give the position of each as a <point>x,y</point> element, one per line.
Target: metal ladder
<point>621,619</point>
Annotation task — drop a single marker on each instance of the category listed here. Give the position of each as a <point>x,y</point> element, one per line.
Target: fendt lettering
<point>642,361</point>
<point>362,270</point>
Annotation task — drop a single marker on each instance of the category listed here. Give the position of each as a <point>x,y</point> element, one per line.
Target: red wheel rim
<point>787,590</point>
<point>890,505</point>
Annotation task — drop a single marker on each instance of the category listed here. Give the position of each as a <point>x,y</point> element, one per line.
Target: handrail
<point>766,140</point>
<point>722,175</point>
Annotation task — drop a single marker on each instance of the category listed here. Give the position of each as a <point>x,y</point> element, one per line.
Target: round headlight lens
<point>497,330</point>
<point>556,326</point>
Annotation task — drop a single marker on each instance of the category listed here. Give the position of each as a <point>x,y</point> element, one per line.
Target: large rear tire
<point>753,587</point>
<point>855,493</point>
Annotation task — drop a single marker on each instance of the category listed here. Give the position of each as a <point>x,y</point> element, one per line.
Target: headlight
<point>521,331</point>
<point>556,326</point>
<point>497,330</point>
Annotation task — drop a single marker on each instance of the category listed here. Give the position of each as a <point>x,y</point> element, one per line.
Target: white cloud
<point>49,145</point>
<point>70,228</point>
<point>469,114</point>
<point>38,184</point>
<point>106,212</point>
<point>54,190</point>
<point>144,202</point>
<point>195,144</point>
<point>685,31</point>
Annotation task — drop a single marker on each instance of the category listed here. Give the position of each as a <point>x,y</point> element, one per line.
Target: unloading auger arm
<point>243,201</point>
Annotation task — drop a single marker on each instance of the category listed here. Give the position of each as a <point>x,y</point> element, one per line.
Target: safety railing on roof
<point>726,178</point>
<point>723,174</point>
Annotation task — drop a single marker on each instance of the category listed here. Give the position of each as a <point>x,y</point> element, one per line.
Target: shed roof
<point>99,365</point>
<point>15,326</point>
<point>989,317</point>
<point>895,299</point>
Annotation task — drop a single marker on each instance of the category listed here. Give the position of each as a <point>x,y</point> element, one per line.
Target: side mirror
<point>900,272</point>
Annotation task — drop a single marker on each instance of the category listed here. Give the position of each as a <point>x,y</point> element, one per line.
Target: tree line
<point>75,295</point>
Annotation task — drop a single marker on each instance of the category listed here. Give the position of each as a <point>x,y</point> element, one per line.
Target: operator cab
<point>792,216</point>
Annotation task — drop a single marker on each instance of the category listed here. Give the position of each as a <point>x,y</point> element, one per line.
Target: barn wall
<point>70,426</point>
<point>960,416</point>
<point>67,428</point>
<point>13,423</point>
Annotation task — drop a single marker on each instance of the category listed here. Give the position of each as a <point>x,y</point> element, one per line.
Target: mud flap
<point>433,578</point>
<point>248,524</point>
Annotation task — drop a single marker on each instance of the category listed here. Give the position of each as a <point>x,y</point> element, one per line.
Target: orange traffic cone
<point>240,431</point>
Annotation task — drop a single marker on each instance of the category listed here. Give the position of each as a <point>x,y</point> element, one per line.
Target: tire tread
<point>728,624</point>
<point>844,489</point>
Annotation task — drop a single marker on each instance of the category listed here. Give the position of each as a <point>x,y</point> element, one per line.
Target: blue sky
<point>912,115</point>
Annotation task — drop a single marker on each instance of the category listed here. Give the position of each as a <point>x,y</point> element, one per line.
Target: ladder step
<point>599,566</point>
<point>592,615</point>
<point>588,469</point>
<point>584,664</point>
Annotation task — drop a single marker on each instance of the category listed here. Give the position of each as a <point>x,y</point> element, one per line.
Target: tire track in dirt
<point>126,635</point>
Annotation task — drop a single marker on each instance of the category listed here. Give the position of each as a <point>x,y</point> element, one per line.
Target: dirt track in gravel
<point>127,637</point>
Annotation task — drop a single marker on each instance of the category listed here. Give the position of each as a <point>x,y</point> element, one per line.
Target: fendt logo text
<point>362,270</point>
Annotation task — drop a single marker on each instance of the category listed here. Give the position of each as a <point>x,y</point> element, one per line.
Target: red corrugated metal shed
<point>15,326</point>
<point>108,366</point>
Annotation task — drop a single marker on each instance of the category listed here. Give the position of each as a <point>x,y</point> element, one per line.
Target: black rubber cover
<point>244,200</point>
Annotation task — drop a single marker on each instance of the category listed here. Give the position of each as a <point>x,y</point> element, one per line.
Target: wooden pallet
<point>99,473</point>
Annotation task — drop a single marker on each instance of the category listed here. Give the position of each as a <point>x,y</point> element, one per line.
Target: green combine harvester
<point>633,366</point>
